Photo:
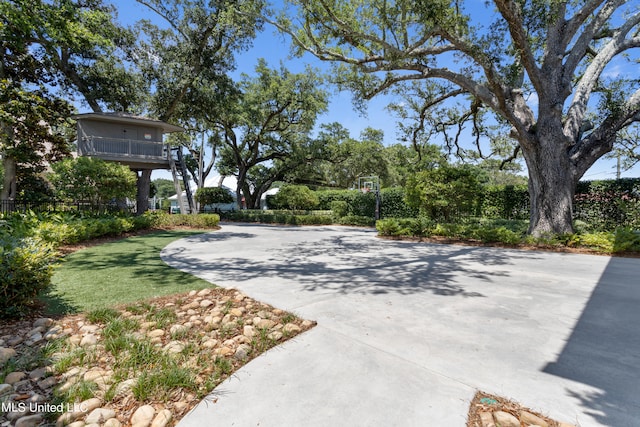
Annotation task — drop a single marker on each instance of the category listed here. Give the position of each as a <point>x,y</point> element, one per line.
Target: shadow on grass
<point>57,305</point>
<point>117,272</point>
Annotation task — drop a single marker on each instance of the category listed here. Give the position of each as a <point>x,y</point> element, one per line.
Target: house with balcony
<point>130,140</point>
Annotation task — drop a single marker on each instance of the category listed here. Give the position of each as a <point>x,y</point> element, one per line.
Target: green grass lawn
<point>118,272</point>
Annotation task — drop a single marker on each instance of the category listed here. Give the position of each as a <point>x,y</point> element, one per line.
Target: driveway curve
<point>407,332</point>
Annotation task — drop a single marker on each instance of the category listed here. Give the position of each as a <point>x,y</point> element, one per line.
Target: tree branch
<point>590,78</point>
<point>511,13</point>
<point>601,140</point>
<point>580,48</point>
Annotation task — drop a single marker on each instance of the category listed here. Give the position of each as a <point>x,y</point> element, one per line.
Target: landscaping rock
<point>206,303</point>
<point>264,323</point>
<point>37,374</point>
<point>100,415</point>
<point>47,383</point>
<point>275,336</point>
<point>156,333</point>
<point>148,325</point>
<point>487,419</point>
<point>30,421</point>
<point>53,333</point>
<point>89,329</point>
<point>249,331</point>
<point>291,328</point>
<point>89,404</point>
<point>210,344</point>
<point>5,389</point>
<point>44,322</point>
<point>6,354</point>
<point>95,374</point>
<point>174,347</point>
<point>112,422</point>
<point>505,419</point>
<point>200,327</point>
<point>125,386</point>
<point>143,416</point>
<point>242,352</point>
<point>530,419</point>
<point>178,329</point>
<point>162,419</point>
<point>14,377</point>
<point>88,340</point>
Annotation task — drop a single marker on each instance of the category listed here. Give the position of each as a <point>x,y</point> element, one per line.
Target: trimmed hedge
<point>510,233</point>
<point>164,220</point>
<point>392,203</point>
<point>280,217</point>
<point>506,202</point>
<point>598,205</point>
<point>298,218</point>
<point>605,205</point>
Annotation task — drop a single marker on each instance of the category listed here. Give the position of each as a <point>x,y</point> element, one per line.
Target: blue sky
<point>275,48</point>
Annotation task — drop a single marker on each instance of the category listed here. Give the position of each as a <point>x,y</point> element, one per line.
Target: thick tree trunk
<point>9,187</point>
<point>142,199</point>
<point>242,176</point>
<point>552,186</point>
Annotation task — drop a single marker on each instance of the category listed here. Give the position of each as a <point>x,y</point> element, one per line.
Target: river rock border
<point>222,323</point>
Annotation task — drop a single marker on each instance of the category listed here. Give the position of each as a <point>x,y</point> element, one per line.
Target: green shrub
<point>359,204</point>
<point>393,205</point>
<point>421,226</point>
<point>505,201</point>
<point>165,220</point>
<point>57,233</point>
<point>498,235</point>
<point>281,217</point>
<point>358,220</point>
<point>388,227</point>
<point>296,197</point>
<point>339,208</point>
<point>626,240</point>
<point>212,195</point>
<point>444,193</point>
<point>26,267</point>
<point>92,180</point>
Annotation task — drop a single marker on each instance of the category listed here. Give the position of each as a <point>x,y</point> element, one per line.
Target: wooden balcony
<point>138,154</point>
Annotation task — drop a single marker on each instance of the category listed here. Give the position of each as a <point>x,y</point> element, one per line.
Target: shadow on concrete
<point>369,266</point>
<point>603,350</point>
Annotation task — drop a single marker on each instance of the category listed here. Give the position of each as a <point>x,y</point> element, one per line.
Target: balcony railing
<point>123,148</point>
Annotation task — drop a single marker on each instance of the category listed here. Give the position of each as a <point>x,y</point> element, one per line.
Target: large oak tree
<point>186,53</point>
<point>539,65</point>
<point>265,133</point>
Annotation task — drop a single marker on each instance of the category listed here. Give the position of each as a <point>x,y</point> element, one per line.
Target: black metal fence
<point>11,206</point>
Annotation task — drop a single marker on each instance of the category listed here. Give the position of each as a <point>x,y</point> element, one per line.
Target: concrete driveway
<point>407,332</point>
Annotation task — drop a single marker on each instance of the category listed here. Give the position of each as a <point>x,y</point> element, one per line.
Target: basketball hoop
<point>365,190</point>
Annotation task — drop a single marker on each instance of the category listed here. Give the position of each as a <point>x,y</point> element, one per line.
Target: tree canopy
<point>51,51</point>
<point>92,180</point>
<point>266,133</point>
<point>538,66</point>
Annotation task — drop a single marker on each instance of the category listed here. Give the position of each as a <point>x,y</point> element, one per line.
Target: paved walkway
<point>407,332</point>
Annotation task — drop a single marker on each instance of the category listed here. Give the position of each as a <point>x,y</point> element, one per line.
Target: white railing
<point>125,148</point>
